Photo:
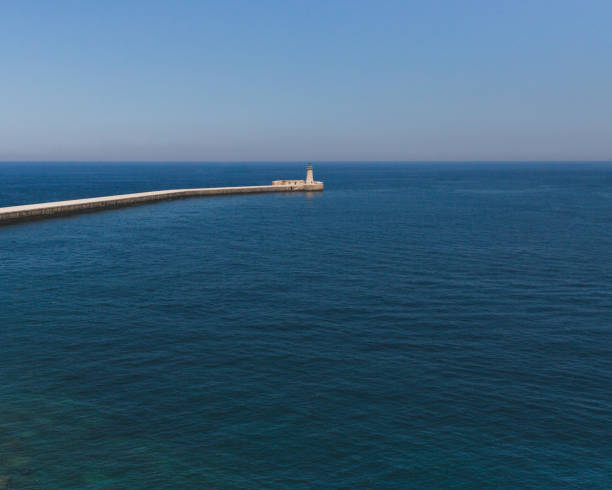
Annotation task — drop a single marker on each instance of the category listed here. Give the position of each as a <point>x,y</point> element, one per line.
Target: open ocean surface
<point>413,326</point>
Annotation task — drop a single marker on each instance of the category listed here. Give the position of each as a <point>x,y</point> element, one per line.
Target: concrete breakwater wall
<point>16,214</point>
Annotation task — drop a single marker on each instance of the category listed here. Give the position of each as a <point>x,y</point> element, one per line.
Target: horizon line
<point>309,161</point>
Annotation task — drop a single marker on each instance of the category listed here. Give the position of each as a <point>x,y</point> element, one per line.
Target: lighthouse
<point>310,184</point>
<point>309,178</point>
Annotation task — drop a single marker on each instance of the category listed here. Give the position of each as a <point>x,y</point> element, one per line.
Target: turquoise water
<point>414,326</point>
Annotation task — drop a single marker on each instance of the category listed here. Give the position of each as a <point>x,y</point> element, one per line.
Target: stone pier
<point>16,214</point>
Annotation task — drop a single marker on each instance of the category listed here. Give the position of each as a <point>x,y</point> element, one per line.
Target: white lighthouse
<point>310,184</point>
<point>309,178</point>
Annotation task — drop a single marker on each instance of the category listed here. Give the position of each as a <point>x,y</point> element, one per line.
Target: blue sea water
<point>413,326</point>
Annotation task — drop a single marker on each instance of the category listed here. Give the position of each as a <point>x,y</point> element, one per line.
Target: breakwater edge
<point>28,212</point>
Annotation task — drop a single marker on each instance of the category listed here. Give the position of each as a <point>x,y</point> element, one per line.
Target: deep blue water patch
<point>415,325</point>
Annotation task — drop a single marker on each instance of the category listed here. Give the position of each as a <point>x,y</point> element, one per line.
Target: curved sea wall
<point>16,214</point>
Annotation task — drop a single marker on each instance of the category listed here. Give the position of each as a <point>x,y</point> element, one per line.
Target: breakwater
<point>16,214</point>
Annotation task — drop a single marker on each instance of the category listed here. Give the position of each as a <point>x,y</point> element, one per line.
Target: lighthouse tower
<point>309,178</point>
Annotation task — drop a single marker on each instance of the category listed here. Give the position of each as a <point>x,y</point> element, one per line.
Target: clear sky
<point>306,80</point>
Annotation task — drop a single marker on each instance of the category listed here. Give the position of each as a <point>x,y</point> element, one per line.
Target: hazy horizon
<point>191,81</point>
<point>303,162</point>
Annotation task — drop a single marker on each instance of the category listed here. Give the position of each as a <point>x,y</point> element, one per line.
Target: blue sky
<point>306,80</point>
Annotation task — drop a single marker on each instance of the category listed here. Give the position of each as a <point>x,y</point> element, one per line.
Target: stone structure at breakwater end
<point>16,214</point>
<point>308,184</point>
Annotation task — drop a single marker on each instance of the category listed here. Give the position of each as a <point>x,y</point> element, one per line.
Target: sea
<point>415,325</point>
